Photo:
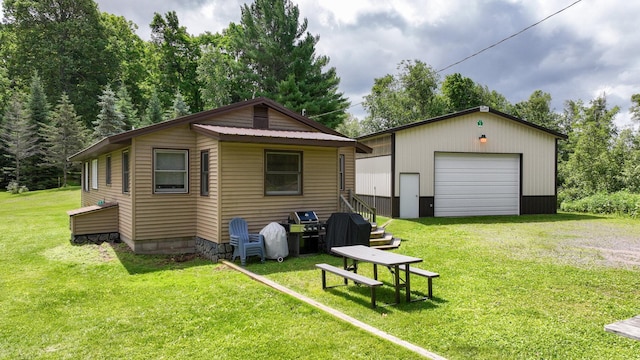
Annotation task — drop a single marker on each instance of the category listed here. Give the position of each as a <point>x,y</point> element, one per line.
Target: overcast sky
<point>592,48</point>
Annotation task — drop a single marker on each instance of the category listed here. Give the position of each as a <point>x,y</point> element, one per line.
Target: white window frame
<point>85,179</point>
<point>184,172</point>
<point>94,174</point>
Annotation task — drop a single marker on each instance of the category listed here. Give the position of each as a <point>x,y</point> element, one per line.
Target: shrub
<point>621,203</point>
<point>15,188</point>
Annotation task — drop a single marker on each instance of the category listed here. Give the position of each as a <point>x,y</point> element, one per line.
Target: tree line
<point>597,157</point>
<point>71,75</point>
<point>105,79</point>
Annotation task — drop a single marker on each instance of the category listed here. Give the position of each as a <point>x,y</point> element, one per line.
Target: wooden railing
<point>356,205</point>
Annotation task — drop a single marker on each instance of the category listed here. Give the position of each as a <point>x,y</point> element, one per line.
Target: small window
<point>85,178</point>
<point>283,173</point>
<point>204,173</point>
<point>170,171</point>
<point>94,174</point>
<point>125,172</point>
<point>107,171</point>
<point>341,171</point>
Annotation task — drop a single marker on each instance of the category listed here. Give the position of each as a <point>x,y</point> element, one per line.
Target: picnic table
<point>629,328</point>
<point>394,262</point>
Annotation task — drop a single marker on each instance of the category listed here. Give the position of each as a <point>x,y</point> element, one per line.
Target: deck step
<point>394,244</point>
<point>387,239</point>
<point>377,234</point>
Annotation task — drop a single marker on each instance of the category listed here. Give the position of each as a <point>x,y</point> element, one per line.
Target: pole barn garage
<point>470,163</point>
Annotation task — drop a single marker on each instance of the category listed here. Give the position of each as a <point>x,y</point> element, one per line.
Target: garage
<point>475,162</point>
<point>469,184</point>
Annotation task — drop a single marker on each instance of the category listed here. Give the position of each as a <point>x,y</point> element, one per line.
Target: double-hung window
<point>94,174</point>
<point>283,173</point>
<point>204,173</point>
<point>125,172</point>
<point>170,172</point>
<point>107,171</point>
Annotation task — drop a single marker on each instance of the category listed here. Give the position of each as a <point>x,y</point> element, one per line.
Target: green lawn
<point>531,287</point>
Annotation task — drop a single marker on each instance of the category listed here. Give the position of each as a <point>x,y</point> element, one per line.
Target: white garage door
<point>477,184</point>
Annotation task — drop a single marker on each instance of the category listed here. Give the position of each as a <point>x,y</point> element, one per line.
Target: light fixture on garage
<point>483,138</point>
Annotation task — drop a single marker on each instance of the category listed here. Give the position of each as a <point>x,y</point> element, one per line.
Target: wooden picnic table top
<point>629,328</point>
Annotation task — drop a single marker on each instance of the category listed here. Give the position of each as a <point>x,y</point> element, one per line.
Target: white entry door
<point>409,196</point>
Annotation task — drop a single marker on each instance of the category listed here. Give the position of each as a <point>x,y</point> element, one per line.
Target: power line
<point>474,54</point>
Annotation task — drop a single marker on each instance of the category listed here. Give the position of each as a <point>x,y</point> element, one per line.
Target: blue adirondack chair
<point>245,244</point>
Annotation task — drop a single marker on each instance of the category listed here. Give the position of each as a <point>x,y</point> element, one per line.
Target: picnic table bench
<point>425,273</point>
<point>348,275</point>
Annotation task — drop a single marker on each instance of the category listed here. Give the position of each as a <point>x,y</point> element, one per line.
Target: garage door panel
<point>477,184</point>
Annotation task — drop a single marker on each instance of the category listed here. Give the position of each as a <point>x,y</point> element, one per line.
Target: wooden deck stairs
<point>381,239</point>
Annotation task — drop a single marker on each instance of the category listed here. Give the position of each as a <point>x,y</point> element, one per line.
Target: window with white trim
<point>283,173</point>
<point>170,172</point>
<point>94,174</point>
<point>85,178</point>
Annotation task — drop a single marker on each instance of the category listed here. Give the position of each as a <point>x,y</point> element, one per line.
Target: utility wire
<point>474,54</point>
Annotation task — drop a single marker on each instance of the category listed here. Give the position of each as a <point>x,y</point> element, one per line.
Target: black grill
<point>307,227</point>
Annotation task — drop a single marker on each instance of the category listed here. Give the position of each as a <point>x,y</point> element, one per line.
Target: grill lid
<point>303,217</point>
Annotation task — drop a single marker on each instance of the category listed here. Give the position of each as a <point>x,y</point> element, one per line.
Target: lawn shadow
<point>143,264</point>
<point>505,219</point>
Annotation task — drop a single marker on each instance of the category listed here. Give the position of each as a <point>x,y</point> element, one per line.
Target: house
<point>173,187</point>
<point>474,162</point>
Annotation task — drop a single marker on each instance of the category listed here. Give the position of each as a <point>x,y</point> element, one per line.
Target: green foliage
<point>177,61</point>
<point>18,136</point>
<point>619,203</point>
<point>461,93</point>
<point>537,110</point>
<point>64,41</point>
<point>14,188</point>
<point>351,127</point>
<point>110,121</point>
<point>154,113</point>
<point>590,168</point>
<point>64,136</point>
<point>277,60</point>
<point>125,107</point>
<point>180,108</point>
<point>404,98</point>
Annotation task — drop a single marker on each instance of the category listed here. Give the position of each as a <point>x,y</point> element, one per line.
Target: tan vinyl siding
<point>349,169</point>
<point>164,216</point>
<point>207,206</point>
<point>238,118</point>
<point>113,192</point>
<point>242,185</point>
<point>95,222</point>
<point>279,121</point>
<point>416,146</point>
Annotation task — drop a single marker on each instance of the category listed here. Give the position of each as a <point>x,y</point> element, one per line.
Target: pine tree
<point>110,121</point>
<point>125,106</point>
<point>154,113</point>
<point>180,108</point>
<point>18,136</point>
<point>65,136</point>
<point>41,176</point>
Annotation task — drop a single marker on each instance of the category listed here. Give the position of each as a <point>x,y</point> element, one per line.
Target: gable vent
<point>260,117</point>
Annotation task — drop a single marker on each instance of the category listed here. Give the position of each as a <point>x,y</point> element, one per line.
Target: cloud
<point>572,55</point>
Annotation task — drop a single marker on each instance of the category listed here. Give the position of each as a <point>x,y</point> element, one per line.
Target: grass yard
<point>528,287</point>
<point>59,301</point>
